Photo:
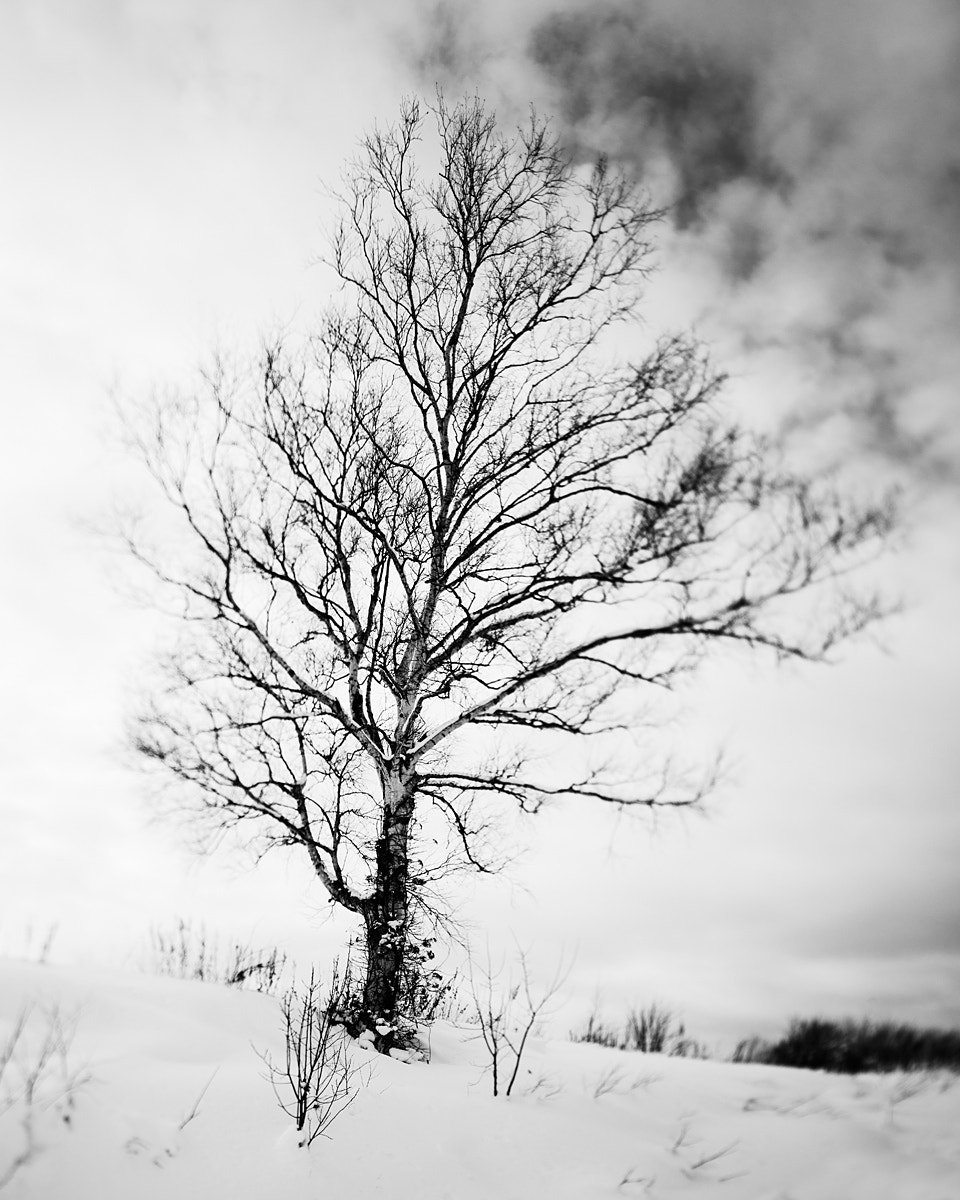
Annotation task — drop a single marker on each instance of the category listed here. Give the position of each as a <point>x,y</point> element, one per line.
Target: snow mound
<point>153,1088</point>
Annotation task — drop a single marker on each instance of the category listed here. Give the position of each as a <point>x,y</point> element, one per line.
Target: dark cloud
<point>671,95</point>
<point>746,248</point>
<point>811,155</point>
<point>765,93</point>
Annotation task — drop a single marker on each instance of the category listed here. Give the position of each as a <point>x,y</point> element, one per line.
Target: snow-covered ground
<point>168,1099</point>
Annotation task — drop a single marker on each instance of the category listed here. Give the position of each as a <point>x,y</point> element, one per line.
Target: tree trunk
<point>386,912</point>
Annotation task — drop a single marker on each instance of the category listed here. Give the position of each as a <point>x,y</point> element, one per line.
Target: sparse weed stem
<point>194,1111</point>
<point>32,942</point>
<point>38,1078</point>
<point>544,1087</point>
<point>633,1179</point>
<point>616,1082</point>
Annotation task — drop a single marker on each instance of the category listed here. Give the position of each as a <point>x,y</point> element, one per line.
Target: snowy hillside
<point>153,1089</point>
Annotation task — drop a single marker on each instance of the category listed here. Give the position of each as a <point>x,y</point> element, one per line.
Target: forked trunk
<point>386,913</point>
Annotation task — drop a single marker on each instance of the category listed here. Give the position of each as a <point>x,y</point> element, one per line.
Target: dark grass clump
<point>598,1033</point>
<point>649,1029</point>
<point>852,1047</point>
<point>188,952</point>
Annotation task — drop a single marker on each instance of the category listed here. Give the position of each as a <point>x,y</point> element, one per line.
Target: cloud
<point>452,52</point>
<point>811,156</point>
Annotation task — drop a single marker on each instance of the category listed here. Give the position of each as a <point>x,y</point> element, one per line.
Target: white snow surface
<point>662,1127</point>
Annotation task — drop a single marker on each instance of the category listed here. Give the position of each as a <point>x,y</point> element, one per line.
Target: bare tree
<point>457,510</point>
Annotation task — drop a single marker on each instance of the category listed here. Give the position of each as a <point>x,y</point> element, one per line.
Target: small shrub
<point>318,1078</point>
<point>507,1016</point>
<point>650,1029</point>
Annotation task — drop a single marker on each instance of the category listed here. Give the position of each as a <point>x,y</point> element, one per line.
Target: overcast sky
<point>165,174</point>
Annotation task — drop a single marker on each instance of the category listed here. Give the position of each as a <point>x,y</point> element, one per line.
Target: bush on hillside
<point>852,1047</point>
